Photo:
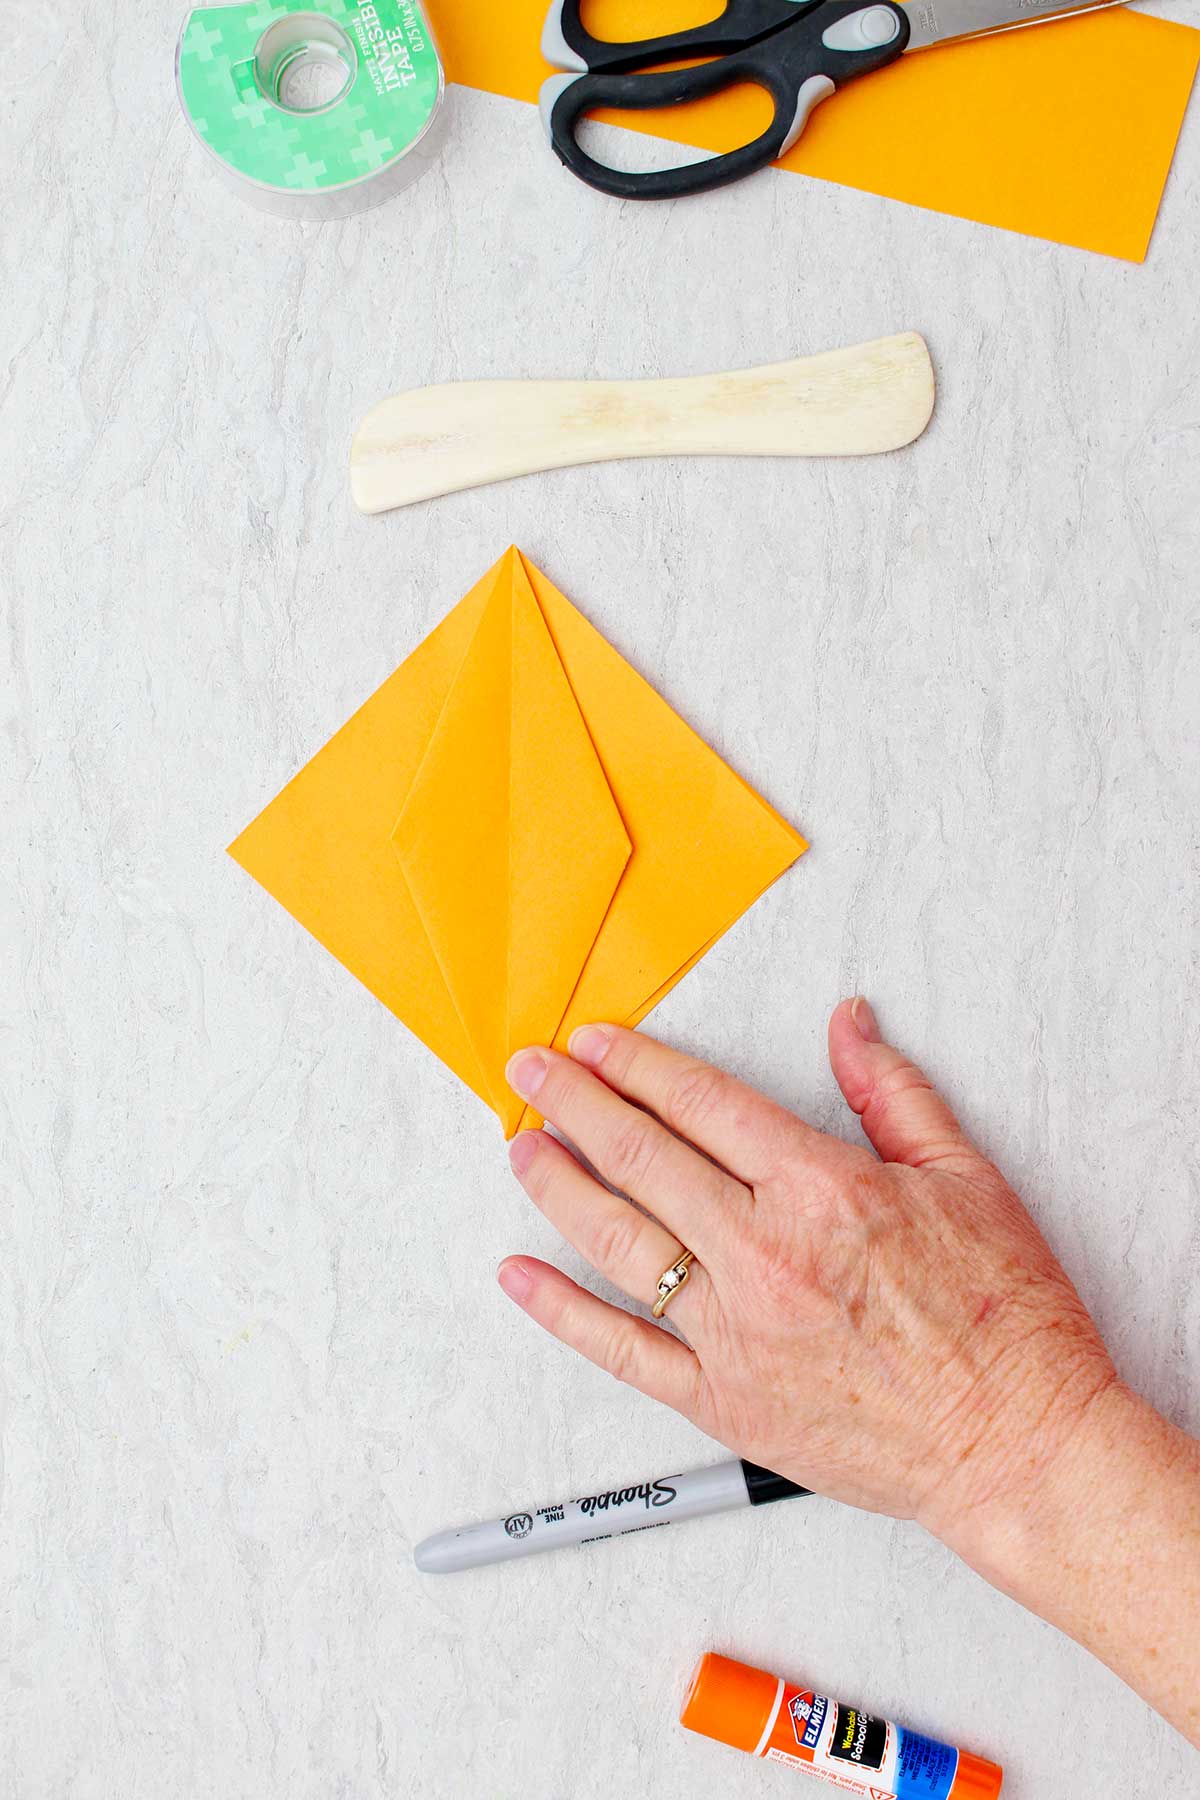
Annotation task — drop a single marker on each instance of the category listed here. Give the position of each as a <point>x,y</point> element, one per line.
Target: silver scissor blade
<point>941,21</point>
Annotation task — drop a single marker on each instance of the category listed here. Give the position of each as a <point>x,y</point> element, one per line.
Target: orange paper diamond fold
<point>515,835</point>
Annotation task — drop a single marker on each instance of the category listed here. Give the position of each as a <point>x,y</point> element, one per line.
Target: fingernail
<point>526,1072</point>
<point>589,1045</point>
<point>864,1019</point>
<point>515,1279</point>
<point>522,1151</point>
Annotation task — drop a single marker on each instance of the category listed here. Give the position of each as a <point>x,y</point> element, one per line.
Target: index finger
<point>634,1152</point>
<point>736,1126</point>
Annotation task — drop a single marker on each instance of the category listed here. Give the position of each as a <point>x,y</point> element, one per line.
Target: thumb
<point>901,1112</point>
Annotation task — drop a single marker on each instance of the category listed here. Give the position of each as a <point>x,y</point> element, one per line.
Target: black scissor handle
<point>798,67</point>
<point>567,43</point>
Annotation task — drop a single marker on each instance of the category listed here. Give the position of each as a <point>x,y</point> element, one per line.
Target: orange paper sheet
<point>515,835</point>
<point>1064,131</point>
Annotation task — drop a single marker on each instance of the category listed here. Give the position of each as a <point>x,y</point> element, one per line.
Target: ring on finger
<point>671,1280</point>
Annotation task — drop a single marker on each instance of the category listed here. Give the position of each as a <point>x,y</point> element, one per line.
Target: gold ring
<point>670,1282</point>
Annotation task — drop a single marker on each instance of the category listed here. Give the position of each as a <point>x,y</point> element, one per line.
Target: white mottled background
<point>252,1345</point>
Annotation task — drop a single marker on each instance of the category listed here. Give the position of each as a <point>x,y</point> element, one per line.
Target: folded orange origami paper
<point>514,835</point>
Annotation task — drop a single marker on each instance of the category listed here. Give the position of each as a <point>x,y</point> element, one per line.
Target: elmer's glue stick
<point>859,1754</point>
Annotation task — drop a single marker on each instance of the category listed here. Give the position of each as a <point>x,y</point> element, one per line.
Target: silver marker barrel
<point>612,1513</point>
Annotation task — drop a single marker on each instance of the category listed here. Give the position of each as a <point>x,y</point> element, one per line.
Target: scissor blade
<point>941,21</point>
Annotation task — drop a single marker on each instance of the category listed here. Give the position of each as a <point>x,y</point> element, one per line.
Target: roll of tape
<point>316,110</point>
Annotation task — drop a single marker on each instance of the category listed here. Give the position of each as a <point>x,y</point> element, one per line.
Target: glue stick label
<point>856,1752</point>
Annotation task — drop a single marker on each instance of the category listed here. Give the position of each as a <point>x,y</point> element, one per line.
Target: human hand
<point>889,1330</point>
<point>892,1330</point>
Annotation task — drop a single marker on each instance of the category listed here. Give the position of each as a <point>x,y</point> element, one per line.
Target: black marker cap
<point>763,1485</point>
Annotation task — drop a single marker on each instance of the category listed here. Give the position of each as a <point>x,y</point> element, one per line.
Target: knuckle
<point>631,1152</point>
<point>614,1239</point>
<point>782,1148</point>
<point>620,1354</point>
<point>538,1174</point>
<point>808,1187</point>
<point>697,1092</point>
<point>556,1308</point>
<point>622,1056</point>
<point>857,1203</point>
<point>903,1079</point>
<point>777,1276</point>
<point>557,1086</point>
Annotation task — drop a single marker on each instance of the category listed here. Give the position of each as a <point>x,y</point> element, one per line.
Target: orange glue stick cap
<point>729,1701</point>
<point>976,1778</point>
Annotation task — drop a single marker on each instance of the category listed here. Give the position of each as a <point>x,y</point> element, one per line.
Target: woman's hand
<point>894,1333</point>
<point>891,1330</point>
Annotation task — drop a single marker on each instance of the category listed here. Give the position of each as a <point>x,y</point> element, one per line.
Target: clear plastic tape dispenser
<point>313,112</point>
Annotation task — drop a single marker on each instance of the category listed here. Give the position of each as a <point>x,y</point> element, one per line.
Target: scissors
<point>800,51</point>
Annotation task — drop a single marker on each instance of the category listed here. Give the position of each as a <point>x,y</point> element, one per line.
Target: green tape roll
<point>318,110</point>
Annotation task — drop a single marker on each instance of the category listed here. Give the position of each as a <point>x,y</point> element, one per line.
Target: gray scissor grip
<point>548,100</point>
<point>555,48</point>
<point>812,92</point>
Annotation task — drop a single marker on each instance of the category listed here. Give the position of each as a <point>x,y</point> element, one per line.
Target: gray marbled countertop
<point>252,1345</point>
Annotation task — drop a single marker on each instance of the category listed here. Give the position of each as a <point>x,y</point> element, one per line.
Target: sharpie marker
<point>725,1488</point>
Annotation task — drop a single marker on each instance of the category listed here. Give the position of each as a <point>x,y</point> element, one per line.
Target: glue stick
<point>855,1752</point>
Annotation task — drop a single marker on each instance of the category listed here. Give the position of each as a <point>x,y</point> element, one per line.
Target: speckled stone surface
<point>252,1345</point>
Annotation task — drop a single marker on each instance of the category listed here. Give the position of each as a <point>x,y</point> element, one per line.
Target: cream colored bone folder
<point>436,440</point>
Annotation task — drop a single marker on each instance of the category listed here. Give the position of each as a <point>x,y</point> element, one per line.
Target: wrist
<point>1103,1541</point>
<point>1063,1480</point>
